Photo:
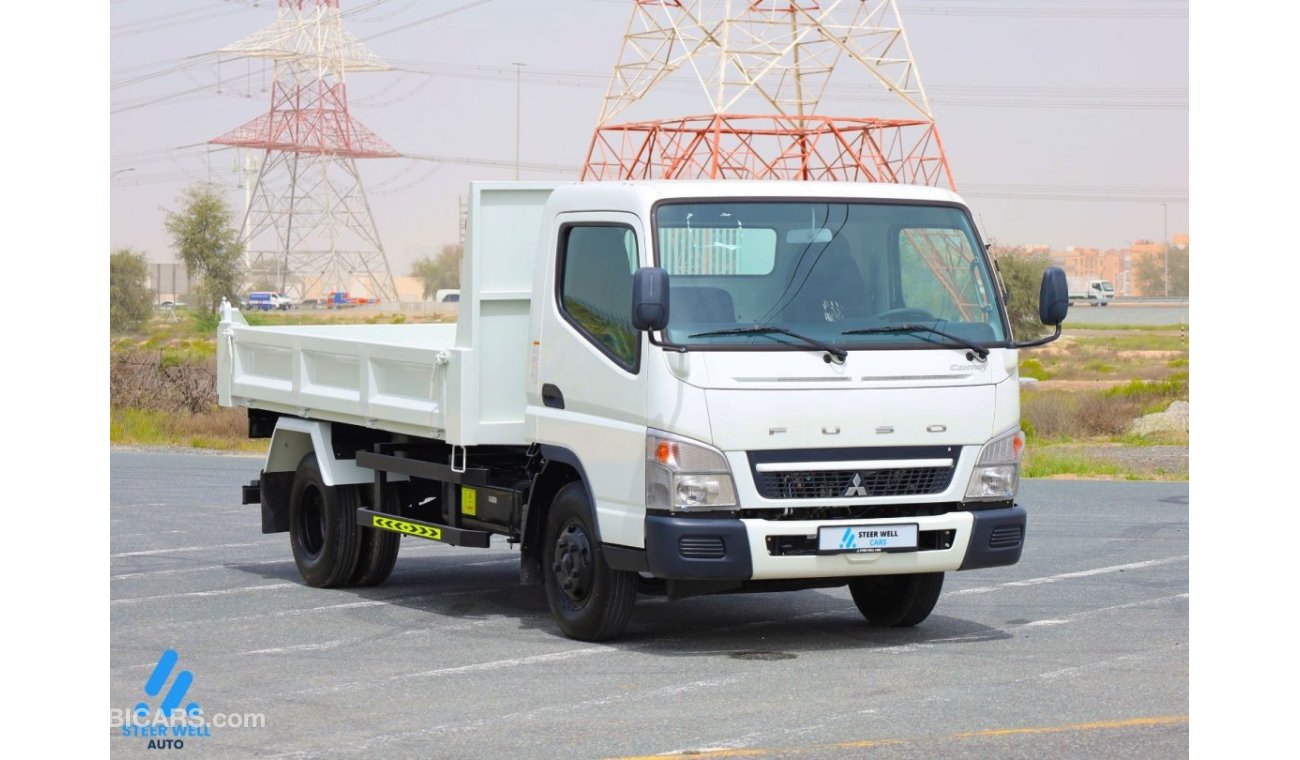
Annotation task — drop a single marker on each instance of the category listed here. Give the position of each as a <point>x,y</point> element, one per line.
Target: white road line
<point>200,568</point>
<point>318,647</point>
<point>187,549</point>
<point>1068,576</point>
<point>1076,617</point>
<point>515,662</point>
<point>1052,675</point>
<point>115,536</point>
<point>215,592</point>
<point>396,599</point>
<point>405,738</point>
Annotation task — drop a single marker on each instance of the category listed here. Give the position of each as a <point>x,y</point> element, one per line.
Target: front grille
<point>854,512</point>
<point>1005,537</point>
<point>837,484</point>
<point>702,547</point>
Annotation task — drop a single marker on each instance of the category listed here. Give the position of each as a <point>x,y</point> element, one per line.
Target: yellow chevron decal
<point>401,526</point>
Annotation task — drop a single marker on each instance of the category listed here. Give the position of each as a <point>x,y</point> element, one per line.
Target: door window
<point>596,266</point>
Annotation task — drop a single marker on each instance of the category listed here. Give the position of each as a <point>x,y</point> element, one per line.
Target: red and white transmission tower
<point>776,58</point>
<point>308,226</point>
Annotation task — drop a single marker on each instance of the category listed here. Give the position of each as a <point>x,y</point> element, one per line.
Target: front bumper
<point>687,548</point>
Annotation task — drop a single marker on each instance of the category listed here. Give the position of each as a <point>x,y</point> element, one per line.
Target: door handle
<point>552,397</point>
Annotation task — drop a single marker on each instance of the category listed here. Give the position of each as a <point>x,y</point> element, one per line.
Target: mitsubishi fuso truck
<point>665,387</point>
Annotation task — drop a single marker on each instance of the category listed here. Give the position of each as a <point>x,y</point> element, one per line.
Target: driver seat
<point>832,291</point>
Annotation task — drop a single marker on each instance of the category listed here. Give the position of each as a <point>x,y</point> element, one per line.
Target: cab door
<point>586,388</point>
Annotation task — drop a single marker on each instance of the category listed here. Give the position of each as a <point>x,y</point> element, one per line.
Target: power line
<point>1035,9</point>
<point>426,19</point>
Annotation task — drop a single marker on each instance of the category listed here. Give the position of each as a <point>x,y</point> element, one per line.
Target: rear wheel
<point>378,552</point>
<point>322,527</point>
<point>589,600</point>
<point>896,601</point>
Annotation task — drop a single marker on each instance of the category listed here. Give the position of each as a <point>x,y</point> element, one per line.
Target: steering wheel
<point>905,314</point>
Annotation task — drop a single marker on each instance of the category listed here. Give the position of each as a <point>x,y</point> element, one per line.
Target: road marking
<point>515,662</point>
<point>1068,576</point>
<point>149,533</point>
<point>320,647</point>
<point>405,738</point>
<point>200,568</point>
<point>1076,617</point>
<point>1148,722</point>
<point>187,549</point>
<point>1163,720</point>
<point>215,592</point>
<point>1051,675</point>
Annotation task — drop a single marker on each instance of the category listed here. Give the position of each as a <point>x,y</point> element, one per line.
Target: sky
<point>1065,121</point>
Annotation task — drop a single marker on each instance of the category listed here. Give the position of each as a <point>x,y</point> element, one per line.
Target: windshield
<point>820,269</point>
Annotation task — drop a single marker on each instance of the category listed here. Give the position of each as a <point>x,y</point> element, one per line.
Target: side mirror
<point>650,298</point>
<point>1053,297</point>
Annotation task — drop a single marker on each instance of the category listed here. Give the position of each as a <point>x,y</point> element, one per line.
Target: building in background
<point>169,281</point>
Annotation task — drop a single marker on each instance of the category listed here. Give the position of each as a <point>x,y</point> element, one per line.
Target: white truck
<point>1092,291</point>
<point>671,388</point>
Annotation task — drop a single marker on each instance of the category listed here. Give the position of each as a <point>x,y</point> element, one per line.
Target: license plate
<point>866,538</point>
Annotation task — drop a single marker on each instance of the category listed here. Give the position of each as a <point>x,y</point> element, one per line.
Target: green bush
<point>1034,368</point>
<point>1022,276</point>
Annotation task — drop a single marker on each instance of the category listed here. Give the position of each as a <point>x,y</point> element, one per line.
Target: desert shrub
<point>148,380</point>
<point>1066,415</point>
<point>1099,414</point>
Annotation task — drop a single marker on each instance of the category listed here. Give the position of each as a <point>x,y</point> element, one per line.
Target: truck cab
<point>675,387</point>
<point>794,418</point>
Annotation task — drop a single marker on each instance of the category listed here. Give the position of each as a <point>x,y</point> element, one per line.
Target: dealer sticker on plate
<point>866,538</point>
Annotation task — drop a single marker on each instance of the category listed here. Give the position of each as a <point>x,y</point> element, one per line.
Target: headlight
<point>686,475</point>
<point>997,471</point>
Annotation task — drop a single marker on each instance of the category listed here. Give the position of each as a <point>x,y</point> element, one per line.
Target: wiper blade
<point>839,353</point>
<point>979,350</point>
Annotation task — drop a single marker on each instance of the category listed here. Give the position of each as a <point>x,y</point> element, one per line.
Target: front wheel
<point>589,600</point>
<point>896,601</point>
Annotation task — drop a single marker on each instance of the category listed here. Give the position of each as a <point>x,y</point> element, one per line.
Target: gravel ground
<point>1156,461</point>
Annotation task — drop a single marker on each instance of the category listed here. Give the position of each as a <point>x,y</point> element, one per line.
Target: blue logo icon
<point>158,679</point>
<point>848,541</point>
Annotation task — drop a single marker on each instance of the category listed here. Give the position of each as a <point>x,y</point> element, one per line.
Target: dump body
<point>460,383</point>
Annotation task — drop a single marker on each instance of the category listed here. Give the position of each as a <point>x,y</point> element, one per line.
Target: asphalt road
<point>1120,313</point>
<point>1078,651</point>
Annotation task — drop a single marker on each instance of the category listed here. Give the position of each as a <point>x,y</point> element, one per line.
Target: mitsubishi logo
<point>855,488</point>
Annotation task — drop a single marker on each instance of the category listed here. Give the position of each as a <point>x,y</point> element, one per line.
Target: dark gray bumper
<point>997,538</point>
<point>686,548</point>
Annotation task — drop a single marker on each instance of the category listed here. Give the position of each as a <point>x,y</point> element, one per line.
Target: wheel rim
<point>572,569</point>
<point>311,522</point>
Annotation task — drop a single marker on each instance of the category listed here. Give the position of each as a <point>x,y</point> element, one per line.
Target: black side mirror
<point>650,298</point>
<point>1053,297</point>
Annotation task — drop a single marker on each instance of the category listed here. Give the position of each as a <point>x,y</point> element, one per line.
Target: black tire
<point>896,601</point>
<point>378,548</point>
<point>590,601</point>
<point>322,527</point>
